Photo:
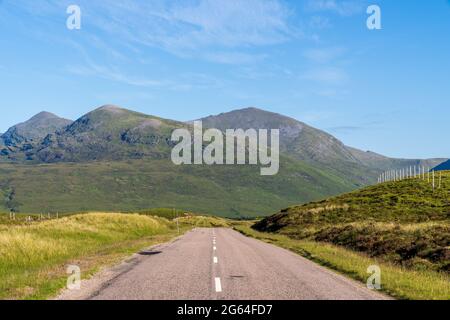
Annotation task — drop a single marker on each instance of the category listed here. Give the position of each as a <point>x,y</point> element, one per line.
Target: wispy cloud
<point>183,82</point>
<point>348,129</point>
<point>344,129</point>
<point>234,57</point>
<point>326,70</point>
<point>331,92</point>
<point>206,29</point>
<point>326,75</point>
<point>324,55</point>
<point>113,74</point>
<point>232,22</point>
<point>114,71</point>
<point>319,22</point>
<point>341,7</point>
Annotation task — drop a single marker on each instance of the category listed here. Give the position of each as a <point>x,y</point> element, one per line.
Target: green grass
<point>121,186</point>
<point>204,222</point>
<point>165,213</point>
<point>396,281</point>
<point>405,223</point>
<point>34,256</point>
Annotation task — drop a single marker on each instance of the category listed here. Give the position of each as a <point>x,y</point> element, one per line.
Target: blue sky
<point>315,60</point>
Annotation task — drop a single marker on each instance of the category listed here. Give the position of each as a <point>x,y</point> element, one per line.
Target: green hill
<point>114,159</point>
<point>34,129</point>
<point>402,222</point>
<point>233,191</point>
<point>315,147</point>
<point>107,133</point>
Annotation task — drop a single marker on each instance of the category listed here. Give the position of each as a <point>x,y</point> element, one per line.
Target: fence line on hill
<point>40,216</point>
<point>412,172</point>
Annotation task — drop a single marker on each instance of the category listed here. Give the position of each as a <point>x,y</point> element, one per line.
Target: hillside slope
<point>234,191</point>
<point>316,147</point>
<point>34,129</point>
<point>403,222</point>
<point>107,133</point>
<point>117,159</point>
<point>383,163</point>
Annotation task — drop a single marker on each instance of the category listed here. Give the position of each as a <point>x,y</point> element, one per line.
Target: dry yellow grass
<point>28,253</point>
<point>33,256</point>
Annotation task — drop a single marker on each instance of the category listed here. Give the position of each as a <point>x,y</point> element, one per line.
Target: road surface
<point>222,264</point>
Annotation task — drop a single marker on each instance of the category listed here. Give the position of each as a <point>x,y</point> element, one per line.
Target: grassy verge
<point>34,256</point>
<point>406,223</point>
<point>398,282</point>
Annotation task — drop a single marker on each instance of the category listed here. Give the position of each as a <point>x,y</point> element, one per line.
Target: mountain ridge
<point>315,146</point>
<point>35,128</point>
<point>111,132</point>
<point>117,159</point>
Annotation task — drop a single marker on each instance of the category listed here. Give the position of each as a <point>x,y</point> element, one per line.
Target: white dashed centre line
<point>216,260</point>
<point>214,248</point>
<point>218,285</point>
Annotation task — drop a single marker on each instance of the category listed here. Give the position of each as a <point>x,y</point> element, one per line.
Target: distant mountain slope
<point>318,148</point>
<point>443,166</point>
<point>380,162</point>
<point>109,133</point>
<point>296,138</point>
<point>34,129</point>
<point>17,143</point>
<point>133,170</point>
<point>92,163</point>
<point>233,191</point>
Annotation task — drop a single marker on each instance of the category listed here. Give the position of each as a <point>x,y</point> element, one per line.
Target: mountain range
<point>116,159</point>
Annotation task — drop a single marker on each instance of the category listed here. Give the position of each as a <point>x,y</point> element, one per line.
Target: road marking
<point>214,248</point>
<point>218,285</point>
<point>216,260</point>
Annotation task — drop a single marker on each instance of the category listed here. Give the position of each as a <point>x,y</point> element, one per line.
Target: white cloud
<point>114,75</point>
<point>183,82</point>
<point>341,7</point>
<point>234,57</point>
<point>323,55</point>
<point>205,29</point>
<point>319,22</point>
<point>331,75</point>
<point>234,22</point>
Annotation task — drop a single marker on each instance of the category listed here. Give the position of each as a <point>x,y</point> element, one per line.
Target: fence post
<point>433,180</point>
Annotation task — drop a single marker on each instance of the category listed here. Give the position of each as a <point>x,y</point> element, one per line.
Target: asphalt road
<point>215,264</point>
